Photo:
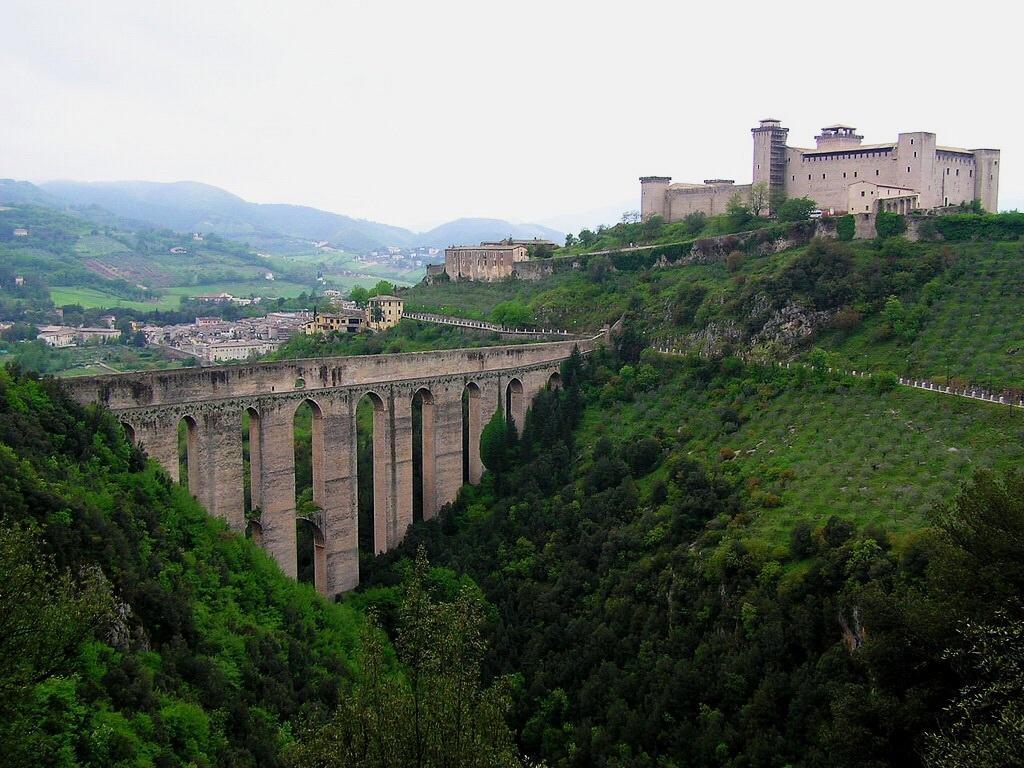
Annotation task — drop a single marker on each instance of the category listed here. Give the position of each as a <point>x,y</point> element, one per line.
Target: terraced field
<point>805,448</point>
<point>973,330</point>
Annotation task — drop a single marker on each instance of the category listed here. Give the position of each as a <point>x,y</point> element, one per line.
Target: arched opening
<point>251,471</point>
<point>308,446</point>
<point>129,432</point>
<point>300,383</point>
<point>555,381</point>
<point>515,403</point>
<point>424,457</point>
<point>370,436</point>
<point>188,464</point>
<point>472,426</point>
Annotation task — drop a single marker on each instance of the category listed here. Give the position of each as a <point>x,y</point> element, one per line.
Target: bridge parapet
<point>187,385</point>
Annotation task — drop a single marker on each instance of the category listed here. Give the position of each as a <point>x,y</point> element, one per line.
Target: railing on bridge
<point>483,325</point>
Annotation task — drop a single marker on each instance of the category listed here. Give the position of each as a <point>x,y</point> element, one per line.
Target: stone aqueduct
<point>212,401</point>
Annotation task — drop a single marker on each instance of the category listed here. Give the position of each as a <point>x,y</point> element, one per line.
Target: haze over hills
<point>192,206</point>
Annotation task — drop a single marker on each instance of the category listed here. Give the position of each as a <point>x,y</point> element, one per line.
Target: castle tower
<point>914,167</point>
<point>770,159</point>
<point>654,196</point>
<point>986,178</point>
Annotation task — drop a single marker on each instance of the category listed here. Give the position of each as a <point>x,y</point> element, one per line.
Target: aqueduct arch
<point>152,404</point>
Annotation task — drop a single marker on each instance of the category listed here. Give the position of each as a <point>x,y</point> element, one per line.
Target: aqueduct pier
<point>212,401</point>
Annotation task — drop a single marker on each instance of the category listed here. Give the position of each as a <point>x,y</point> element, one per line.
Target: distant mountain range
<point>189,206</point>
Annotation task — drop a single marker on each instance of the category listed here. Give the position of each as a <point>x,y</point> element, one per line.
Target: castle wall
<point>825,178</point>
<point>712,199</point>
<point>913,162</point>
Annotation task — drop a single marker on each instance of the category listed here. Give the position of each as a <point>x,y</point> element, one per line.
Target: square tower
<point>770,159</point>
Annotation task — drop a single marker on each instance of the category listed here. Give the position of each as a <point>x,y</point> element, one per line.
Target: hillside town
<point>211,339</point>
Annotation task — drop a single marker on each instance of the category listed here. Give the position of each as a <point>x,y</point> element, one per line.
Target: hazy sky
<point>414,112</point>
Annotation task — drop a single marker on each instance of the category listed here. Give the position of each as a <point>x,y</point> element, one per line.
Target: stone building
<point>486,262</point>
<point>383,312</point>
<point>841,174</point>
<point>343,321</point>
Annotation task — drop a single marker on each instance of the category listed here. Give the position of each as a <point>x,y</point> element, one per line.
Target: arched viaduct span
<point>212,401</point>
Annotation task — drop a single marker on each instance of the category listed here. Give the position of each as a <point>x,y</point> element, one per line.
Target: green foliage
<point>498,442</point>
<point>889,224</point>
<point>987,728</point>
<point>382,288</point>
<point>796,209</point>
<point>436,715</point>
<point>738,211</point>
<point>359,295</point>
<point>212,651</point>
<point>973,226</point>
<point>645,624</point>
<point>846,228</point>
<point>512,314</point>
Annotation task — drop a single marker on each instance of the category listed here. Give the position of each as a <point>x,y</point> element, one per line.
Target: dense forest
<point>643,631</point>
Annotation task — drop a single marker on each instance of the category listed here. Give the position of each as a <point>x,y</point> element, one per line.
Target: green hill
<point>207,651</point>
<point>798,599</point>
<point>955,315</point>
<point>697,559</point>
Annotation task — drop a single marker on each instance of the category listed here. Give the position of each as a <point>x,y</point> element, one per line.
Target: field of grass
<point>974,329</point>
<point>273,288</point>
<point>92,297</point>
<point>808,450</point>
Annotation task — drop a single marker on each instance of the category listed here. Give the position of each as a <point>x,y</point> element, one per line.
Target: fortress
<point>841,174</point>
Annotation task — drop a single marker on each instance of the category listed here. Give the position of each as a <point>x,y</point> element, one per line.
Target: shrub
<point>695,222</point>
<point>734,261</point>
<point>642,455</point>
<point>726,453</point>
<point>847,318</point>
<point>990,226</point>
<point>801,540</point>
<point>837,531</point>
<point>846,227</point>
<point>889,225</point>
<point>796,209</point>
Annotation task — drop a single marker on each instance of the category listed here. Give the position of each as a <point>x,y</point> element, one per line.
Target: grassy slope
<point>974,330</point>
<point>873,458</point>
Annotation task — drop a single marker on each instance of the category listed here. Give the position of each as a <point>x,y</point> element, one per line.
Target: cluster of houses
<point>381,312</point>
<point>215,340</point>
<point>68,336</point>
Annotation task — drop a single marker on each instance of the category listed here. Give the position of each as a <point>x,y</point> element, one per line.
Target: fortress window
<point>957,171</point>
<point>808,177</point>
<point>947,171</point>
<point>912,141</point>
<point>876,171</point>
<point>844,174</point>
<point>855,174</point>
<point>908,170</point>
<point>972,174</point>
<point>823,175</point>
<point>862,193</point>
<point>915,153</point>
<point>794,178</point>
